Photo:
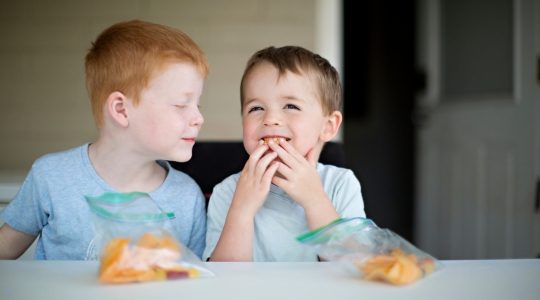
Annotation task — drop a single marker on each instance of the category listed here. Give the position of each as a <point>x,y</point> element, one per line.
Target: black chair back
<point>214,161</point>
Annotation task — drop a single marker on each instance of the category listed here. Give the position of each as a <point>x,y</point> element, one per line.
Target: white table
<point>515,279</point>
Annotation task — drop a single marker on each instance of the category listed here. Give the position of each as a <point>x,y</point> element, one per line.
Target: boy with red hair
<point>144,81</point>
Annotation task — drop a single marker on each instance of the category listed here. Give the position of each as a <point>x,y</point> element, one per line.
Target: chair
<point>214,161</point>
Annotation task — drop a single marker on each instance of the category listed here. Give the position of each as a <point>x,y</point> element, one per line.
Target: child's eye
<point>255,108</point>
<point>291,106</point>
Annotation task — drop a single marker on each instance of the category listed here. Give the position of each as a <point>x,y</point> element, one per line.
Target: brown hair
<point>128,55</point>
<point>300,61</point>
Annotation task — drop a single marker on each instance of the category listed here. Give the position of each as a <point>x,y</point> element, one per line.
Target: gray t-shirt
<point>280,220</point>
<point>51,204</point>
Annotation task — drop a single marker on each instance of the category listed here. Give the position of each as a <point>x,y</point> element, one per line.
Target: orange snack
<point>151,258</point>
<point>151,241</point>
<point>396,268</point>
<point>266,140</point>
<point>110,258</point>
<point>131,275</point>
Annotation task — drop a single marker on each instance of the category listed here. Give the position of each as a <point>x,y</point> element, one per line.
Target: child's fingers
<point>270,172</point>
<point>286,171</point>
<point>263,163</point>
<point>256,156</point>
<point>279,181</point>
<point>291,150</point>
<point>283,154</point>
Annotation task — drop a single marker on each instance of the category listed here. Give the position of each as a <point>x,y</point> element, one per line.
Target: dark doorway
<point>379,85</point>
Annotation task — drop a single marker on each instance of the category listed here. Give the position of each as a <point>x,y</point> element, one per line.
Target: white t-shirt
<point>280,220</point>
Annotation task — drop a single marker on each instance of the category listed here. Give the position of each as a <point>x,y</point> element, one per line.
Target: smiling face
<point>282,106</point>
<point>167,120</point>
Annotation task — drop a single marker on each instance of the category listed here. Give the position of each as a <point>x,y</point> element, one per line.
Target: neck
<point>123,169</point>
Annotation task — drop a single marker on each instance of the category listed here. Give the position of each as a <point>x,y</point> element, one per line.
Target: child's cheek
<point>250,142</point>
<point>249,145</point>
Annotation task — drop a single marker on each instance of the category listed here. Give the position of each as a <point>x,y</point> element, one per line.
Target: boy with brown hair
<point>144,81</point>
<point>290,99</point>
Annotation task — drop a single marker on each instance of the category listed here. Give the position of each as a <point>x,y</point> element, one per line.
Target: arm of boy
<point>303,184</point>
<point>236,240</point>
<point>13,243</point>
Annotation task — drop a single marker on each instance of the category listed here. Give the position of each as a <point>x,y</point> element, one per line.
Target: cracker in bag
<point>377,254</point>
<point>137,243</point>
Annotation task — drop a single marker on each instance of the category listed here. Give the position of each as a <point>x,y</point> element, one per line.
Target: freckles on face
<point>168,120</point>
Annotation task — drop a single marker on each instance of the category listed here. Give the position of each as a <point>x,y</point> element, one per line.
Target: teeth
<point>275,139</point>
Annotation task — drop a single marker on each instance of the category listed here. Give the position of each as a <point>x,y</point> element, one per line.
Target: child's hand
<point>236,240</point>
<point>254,183</point>
<point>303,183</point>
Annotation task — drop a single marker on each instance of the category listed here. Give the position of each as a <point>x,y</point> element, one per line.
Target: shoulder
<point>58,162</point>
<point>344,190</point>
<point>227,186</point>
<point>181,178</point>
<point>224,191</point>
<point>335,179</point>
<point>181,182</point>
<point>329,172</point>
<point>179,191</point>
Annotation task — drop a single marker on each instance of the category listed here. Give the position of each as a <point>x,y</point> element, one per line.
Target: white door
<point>478,144</point>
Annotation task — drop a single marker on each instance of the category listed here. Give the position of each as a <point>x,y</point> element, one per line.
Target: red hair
<point>128,55</point>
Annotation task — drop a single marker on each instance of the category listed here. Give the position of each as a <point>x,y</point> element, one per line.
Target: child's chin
<point>181,158</point>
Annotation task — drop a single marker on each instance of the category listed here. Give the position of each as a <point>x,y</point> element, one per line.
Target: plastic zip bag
<point>375,253</point>
<point>136,241</point>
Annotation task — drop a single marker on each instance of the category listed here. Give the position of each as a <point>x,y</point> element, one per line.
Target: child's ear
<point>116,108</point>
<point>331,126</point>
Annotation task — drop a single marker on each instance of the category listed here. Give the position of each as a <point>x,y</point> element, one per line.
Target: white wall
<point>43,102</point>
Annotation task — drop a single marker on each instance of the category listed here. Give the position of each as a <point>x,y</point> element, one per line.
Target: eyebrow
<point>249,101</point>
<point>293,98</point>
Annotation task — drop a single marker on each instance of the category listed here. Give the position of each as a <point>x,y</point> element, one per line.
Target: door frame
<point>430,39</point>
<point>536,230</point>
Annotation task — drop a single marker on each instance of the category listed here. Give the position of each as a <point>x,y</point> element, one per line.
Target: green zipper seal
<point>117,199</point>
<point>316,231</point>
<point>320,230</point>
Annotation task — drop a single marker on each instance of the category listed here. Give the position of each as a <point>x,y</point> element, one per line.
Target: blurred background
<point>441,100</point>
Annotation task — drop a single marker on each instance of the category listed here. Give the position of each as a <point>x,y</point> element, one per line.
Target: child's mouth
<point>273,138</point>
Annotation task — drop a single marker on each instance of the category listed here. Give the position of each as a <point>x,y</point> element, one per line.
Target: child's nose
<point>197,119</point>
<point>271,119</point>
